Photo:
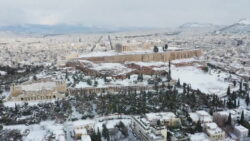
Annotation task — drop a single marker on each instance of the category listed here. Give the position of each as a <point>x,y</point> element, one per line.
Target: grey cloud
<point>151,13</point>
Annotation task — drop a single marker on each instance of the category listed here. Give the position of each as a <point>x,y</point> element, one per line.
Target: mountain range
<point>62,29</point>
<point>242,26</point>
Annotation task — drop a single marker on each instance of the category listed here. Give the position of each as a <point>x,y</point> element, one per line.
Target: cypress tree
<point>198,126</point>
<point>241,86</point>
<point>105,132</point>
<point>242,117</point>
<point>178,82</point>
<point>98,136</point>
<point>229,120</point>
<point>228,90</point>
<point>156,49</point>
<point>247,99</point>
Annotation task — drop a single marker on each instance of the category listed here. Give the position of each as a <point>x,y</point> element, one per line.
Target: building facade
<point>147,132</point>
<point>214,132</point>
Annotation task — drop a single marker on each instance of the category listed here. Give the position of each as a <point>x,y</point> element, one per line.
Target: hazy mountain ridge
<point>62,29</point>
<point>242,26</point>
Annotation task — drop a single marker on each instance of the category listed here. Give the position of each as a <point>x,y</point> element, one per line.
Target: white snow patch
<point>199,137</point>
<point>210,83</point>
<point>3,72</point>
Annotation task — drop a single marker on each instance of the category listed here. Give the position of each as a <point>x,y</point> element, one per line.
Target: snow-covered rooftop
<point>212,128</point>
<point>160,116</point>
<point>241,128</point>
<point>199,137</point>
<point>3,72</point>
<point>85,138</point>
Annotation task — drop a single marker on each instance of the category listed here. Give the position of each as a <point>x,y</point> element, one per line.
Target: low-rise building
<point>214,132</point>
<point>240,131</point>
<point>203,116</point>
<point>78,133</point>
<point>178,135</point>
<point>85,138</point>
<point>167,118</point>
<point>221,117</point>
<point>147,132</point>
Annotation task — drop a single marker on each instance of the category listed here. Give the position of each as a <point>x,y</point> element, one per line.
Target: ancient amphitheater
<point>38,90</point>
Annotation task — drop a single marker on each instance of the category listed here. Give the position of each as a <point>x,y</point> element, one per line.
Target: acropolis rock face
<point>148,57</point>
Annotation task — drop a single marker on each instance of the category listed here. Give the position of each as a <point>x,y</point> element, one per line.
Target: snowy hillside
<point>242,26</point>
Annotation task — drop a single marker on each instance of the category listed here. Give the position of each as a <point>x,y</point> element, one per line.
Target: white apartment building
<point>240,131</point>
<point>146,132</point>
<point>214,132</point>
<point>203,116</point>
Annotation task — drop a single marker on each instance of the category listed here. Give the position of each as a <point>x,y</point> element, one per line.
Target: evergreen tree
<point>158,122</point>
<point>234,82</point>
<point>184,88</point>
<point>89,82</point>
<point>247,99</point>
<point>228,90</point>
<point>229,120</point>
<point>98,136</point>
<point>128,76</point>
<point>105,132</point>
<point>198,126</point>
<point>156,49</point>
<point>241,86</point>
<point>66,75</point>
<point>178,82</point>
<point>169,71</point>
<point>96,83</point>
<point>34,77</point>
<point>165,47</point>
<point>242,117</point>
<point>93,136</point>
<point>235,103</point>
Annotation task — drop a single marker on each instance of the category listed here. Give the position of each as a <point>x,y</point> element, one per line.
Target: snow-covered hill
<point>242,26</point>
<point>198,27</point>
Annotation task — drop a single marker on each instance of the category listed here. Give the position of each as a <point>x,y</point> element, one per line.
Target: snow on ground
<point>111,123</point>
<point>38,132</point>
<point>5,94</point>
<point>199,137</point>
<point>148,64</point>
<point>114,68</point>
<point>3,72</point>
<point>13,103</point>
<point>188,60</point>
<point>117,82</point>
<point>211,83</point>
<point>98,54</point>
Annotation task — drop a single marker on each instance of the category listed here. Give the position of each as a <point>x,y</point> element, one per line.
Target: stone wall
<point>95,90</point>
<point>157,57</point>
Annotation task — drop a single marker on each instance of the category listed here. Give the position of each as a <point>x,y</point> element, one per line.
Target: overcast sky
<point>142,13</point>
